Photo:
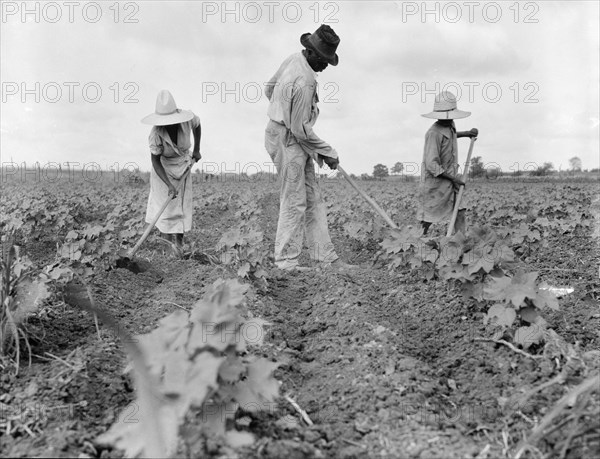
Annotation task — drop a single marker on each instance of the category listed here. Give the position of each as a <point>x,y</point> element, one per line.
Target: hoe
<point>371,202</point>
<point>126,260</point>
<point>461,189</point>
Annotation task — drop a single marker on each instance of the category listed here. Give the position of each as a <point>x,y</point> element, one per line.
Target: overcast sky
<point>528,72</point>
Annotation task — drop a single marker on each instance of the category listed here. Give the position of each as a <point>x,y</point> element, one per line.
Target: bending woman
<point>170,145</point>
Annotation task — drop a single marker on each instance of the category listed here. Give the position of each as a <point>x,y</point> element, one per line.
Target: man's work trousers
<point>302,211</point>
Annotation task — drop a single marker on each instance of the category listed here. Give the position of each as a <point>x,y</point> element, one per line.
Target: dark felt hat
<point>324,42</point>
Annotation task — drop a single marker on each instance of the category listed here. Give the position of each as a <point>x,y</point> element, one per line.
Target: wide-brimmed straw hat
<point>166,111</point>
<point>324,42</point>
<point>444,108</point>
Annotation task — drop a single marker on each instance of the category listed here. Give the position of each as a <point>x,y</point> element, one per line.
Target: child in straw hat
<point>439,175</point>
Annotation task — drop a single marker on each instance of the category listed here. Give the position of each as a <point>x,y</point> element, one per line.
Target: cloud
<point>370,115</point>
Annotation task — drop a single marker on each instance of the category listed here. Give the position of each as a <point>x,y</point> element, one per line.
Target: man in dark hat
<point>294,146</point>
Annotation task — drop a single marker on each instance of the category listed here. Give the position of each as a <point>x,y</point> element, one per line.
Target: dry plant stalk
<point>585,388</point>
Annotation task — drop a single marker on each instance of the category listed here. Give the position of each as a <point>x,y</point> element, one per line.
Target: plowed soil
<point>384,363</point>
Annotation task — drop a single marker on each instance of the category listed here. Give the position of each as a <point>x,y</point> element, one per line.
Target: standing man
<point>294,146</point>
<point>439,175</point>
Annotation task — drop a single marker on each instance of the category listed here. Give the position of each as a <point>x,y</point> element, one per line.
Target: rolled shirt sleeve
<point>155,142</point>
<point>303,117</point>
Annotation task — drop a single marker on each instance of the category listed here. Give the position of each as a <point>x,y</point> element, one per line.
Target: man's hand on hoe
<point>332,163</point>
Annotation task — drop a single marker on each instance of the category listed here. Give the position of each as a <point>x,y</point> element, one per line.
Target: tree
<point>477,169</point>
<point>543,170</point>
<point>380,171</point>
<point>575,163</point>
<point>398,168</point>
<point>548,167</point>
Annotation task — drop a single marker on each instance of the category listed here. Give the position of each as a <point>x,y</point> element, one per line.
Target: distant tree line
<point>477,169</point>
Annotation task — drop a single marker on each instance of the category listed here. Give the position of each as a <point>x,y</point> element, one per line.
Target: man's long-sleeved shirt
<point>293,99</point>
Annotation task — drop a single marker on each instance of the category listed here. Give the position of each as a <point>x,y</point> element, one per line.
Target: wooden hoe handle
<point>460,190</point>
<point>182,180</point>
<point>372,203</point>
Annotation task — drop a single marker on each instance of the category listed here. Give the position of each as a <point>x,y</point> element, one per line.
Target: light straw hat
<point>166,111</point>
<point>444,108</point>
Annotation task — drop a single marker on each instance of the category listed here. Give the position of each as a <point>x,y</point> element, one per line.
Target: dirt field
<point>384,362</point>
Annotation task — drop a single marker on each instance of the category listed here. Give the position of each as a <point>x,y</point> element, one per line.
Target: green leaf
<point>481,235</point>
<point>455,271</point>
<point>217,336</point>
<point>170,336</point>
<point>71,251</point>
<point>230,239</point>
<point>472,290</point>
<point>429,254</point>
<point>502,253</point>
<point>415,262</point>
<point>391,246</point>
<point>72,235</point>
<point>244,269</point>
<point>248,399</point>
<point>514,289</point>
<point>30,295</point>
<point>261,378</point>
<point>201,377</point>
<point>57,273</point>
<point>237,439</point>
<point>216,305</point>
<point>529,314</point>
<point>545,298</point>
<point>260,273</point>
<point>171,327</point>
<point>403,239</point>
<point>542,222</point>
<point>354,228</point>
<point>147,427</point>
<point>478,261</point>
<point>92,231</point>
<point>526,336</point>
<point>501,315</point>
<point>451,249</point>
<point>232,369</point>
<point>176,364</point>
<point>496,288</point>
<point>214,416</point>
<point>259,388</point>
